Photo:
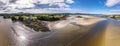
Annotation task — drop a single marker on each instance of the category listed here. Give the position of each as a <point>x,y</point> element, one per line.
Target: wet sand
<point>93,31</point>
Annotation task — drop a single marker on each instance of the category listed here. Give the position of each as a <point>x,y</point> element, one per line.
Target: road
<point>74,31</point>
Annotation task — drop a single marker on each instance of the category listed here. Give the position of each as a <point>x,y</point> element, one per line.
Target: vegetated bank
<point>117,17</point>
<point>36,21</point>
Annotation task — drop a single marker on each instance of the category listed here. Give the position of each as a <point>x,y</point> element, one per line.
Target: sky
<point>60,6</point>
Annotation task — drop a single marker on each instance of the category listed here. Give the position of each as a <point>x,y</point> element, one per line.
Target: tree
<point>14,19</point>
<point>20,18</point>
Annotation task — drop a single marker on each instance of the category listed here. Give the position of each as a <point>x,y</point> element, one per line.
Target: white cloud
<point>49,1</point>
<point>44,10</point>
<point>14,5</point>
<point>115,11</point>
<point>4,1</point>
<point>70,1</point>
<point>110,3</point>
<point>31,3</point>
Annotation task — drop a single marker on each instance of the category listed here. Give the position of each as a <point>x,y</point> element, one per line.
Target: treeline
<point>35,17</point>
<point>35,22</point>
<point>113,16</point>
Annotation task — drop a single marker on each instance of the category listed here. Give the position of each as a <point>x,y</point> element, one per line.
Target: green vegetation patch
<point>35,21</point>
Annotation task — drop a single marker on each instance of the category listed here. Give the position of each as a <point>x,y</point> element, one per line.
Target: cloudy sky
<point>60,6</point>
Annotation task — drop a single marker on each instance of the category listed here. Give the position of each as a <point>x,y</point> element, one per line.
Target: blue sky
<point>60,6</point>
<point>95,6</point>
